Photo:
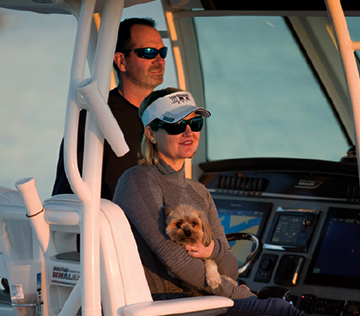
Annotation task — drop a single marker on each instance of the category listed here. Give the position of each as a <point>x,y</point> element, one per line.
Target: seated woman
<point>172,124</point>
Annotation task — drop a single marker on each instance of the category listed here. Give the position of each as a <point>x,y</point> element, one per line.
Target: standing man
<point>140,63</point>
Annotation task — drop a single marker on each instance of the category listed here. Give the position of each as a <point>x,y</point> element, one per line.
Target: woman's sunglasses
<point>148,52</point>
<point>195,124</point>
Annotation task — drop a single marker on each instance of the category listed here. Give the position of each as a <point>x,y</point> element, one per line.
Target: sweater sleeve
<point>141,198</point>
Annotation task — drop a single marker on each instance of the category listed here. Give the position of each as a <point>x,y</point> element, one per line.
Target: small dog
<point>187,226</point>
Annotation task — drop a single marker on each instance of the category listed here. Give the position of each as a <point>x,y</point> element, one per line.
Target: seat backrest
<point>115,229</point>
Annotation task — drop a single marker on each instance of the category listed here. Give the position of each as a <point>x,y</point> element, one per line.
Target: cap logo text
<point>180,98</point>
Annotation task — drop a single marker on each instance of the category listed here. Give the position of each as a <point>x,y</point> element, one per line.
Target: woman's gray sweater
<point>142,192</point>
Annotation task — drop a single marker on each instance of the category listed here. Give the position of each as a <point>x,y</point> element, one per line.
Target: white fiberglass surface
<point>263,95</point>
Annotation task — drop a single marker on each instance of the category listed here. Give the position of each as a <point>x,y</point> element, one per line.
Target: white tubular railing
<point>88,187</point>
<point>347,48</point>
<point>72,111</point>
<point>89,282</point>
<point>103,116</point>
<point>92,164</point>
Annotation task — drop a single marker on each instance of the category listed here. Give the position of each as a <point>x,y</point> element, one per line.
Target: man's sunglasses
<point>177,128</point>
<point>148,52</point>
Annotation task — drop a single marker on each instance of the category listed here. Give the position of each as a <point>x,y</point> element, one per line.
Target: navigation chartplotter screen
<point>239,216</point>
<point>337,254</point>
<point>292,230</point>
<point>288,229</point>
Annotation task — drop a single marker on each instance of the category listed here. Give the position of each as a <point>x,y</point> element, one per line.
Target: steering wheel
<point>252,256</point>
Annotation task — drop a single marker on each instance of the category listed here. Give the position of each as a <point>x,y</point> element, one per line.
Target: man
<point>140,62</point>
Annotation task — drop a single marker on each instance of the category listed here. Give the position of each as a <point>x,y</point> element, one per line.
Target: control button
<point>266,264</point>
<point>307,222</point>
<point>328,306</point>
<point>266,267</point>
<point>307,302</point>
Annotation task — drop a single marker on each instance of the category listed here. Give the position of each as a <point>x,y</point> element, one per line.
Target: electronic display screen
<point>337,254</point>
<point>288,229</point>
<point>239,216</point>
<point>292,230</point>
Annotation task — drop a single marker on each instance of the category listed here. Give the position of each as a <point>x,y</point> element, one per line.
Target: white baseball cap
<point>172,108</point>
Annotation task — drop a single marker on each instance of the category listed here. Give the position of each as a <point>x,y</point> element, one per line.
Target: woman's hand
<point>199,250</point>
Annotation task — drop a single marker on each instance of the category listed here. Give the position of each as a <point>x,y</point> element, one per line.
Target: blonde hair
<point>148,152</point>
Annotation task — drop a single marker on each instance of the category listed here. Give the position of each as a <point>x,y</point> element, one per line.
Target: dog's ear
<point>167,210</point>
<point>208,234</point>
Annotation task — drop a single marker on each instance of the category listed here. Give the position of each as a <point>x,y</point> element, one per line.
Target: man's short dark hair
<point>124,34</point>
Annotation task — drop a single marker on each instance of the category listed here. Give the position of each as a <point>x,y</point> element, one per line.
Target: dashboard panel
<point>307,215</point>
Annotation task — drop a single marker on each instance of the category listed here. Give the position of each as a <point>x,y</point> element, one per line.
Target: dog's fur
<point>187,226</point>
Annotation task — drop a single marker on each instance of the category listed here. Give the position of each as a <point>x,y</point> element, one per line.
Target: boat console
<point>307,216</point>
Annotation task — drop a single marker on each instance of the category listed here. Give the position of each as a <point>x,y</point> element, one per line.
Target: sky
<point>36,53</point>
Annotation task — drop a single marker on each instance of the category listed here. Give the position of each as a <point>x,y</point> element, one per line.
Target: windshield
<point>264,97</point>
<point>36,51</point>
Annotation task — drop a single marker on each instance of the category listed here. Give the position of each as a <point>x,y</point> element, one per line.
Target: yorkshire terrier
<point>187,226</point>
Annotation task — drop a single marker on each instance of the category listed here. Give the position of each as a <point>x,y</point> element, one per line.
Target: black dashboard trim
<point>281,165</point>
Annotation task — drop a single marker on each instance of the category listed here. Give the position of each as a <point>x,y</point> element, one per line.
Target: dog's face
<point>186,226</point>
